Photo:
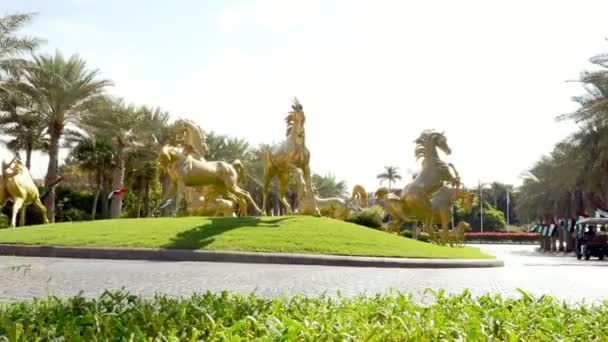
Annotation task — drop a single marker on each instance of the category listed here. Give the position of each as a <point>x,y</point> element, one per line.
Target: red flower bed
<point>501,236</point>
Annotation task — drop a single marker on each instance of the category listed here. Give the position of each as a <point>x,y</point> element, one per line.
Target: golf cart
<point>591,241</point>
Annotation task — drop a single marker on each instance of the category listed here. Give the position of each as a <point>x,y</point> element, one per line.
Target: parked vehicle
<point>591,238</point>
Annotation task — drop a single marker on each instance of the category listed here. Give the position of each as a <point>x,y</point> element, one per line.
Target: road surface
<point>565,277</point>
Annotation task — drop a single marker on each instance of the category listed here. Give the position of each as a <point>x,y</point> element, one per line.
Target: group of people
<point>557,235</point>
<point>562,235</point>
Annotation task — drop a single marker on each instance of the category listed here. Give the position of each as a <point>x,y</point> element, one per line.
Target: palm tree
<point>124,126</point>
<point>11,46</point>
<point>328,186</point>
<point>222,147</point>
<point>25,129</point>
<point>391,174</point>
<point>93,156</point>
<point>60,89</point>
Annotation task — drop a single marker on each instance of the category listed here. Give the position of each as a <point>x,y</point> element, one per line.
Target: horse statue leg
<point>38,204</point>
<point>22,216</point>
<point>308,180</point>
<point>283,180</point>
<point>17,204</point>
<point>180,188</point>
<point>266,190</point>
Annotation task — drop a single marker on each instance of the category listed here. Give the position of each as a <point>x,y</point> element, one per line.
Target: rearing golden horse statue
<point>416,196</point>
<point>279,160</point>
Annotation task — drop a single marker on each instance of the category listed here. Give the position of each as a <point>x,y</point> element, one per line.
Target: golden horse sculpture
<point>338,208</point>
<point>392,206</point>
<point>185,170</point>
<point>441,204</point>
<point>416,196</point>
<point>187,144</point>
<point>207,202</point>
<point>456,238</point>
<point>18,187</point>
<point>279,160</point>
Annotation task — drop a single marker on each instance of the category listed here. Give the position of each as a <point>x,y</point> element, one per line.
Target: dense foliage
<point>370,217</point>
<point>573,178</point>
<point>232,317</point>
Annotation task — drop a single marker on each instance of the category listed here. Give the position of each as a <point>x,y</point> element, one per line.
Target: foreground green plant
<point>231,317</point>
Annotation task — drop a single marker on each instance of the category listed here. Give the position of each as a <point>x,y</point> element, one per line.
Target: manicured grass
<point>117,316</point>
<point>291,234</point>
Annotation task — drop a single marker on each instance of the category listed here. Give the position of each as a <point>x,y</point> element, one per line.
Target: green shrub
<point>117,316</point>
<point>370,217</point>
<point>421,237</point>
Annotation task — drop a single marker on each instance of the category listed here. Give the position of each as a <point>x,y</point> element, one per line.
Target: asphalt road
<point>562,276</point>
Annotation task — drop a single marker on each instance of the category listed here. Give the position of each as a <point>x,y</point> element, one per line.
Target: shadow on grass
<point>201,236</point>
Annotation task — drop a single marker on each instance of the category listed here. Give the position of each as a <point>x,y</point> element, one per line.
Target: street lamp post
<point>480,207</point>
<point>508,200</point>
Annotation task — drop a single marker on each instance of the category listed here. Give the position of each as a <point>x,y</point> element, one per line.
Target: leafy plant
<point>370,217</point>
<point>234,317</point>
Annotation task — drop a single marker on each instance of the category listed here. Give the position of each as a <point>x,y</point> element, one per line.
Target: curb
<point>240,257</point>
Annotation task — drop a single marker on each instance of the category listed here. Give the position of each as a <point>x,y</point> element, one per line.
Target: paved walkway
<point>557,275</point>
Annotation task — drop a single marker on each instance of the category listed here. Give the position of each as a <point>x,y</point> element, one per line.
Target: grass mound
<point>289,234</point>
<point>231,317</point>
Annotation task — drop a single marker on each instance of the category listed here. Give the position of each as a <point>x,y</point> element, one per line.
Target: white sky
<point>371,75</point>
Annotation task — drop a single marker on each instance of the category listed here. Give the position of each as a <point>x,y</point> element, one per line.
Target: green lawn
<point>295,234</point>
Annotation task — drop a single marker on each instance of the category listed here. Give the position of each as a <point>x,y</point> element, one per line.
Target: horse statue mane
<point>422,143</point>
<point>297,111</point>
<point>193,136</point>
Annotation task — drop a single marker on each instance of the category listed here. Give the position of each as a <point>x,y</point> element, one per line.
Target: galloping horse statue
<point>338,208</point>
<point>279,160</point>
<point>183,160</point>
<point>17,186</point>
<point>456,238</point>
<point>416,196</point>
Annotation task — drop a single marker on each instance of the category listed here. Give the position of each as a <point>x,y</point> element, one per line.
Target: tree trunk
<point>49,201</point>
<point>164,182</point>
<point>140,190</point>
<point>28,156</point>
<point>118,176</point>
<point>147,198</point>
<point>95,200</point>
<point>104,204</point>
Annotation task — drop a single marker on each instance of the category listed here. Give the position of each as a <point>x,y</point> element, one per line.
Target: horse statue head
<point>381,193</point>
<point>463,226</point>
<point>295,120</point>
<point>189,135</point>
<point>428,142</point>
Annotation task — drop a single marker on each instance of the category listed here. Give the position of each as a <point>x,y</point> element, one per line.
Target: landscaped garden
<point>286,234</point>
<point>232,317</point>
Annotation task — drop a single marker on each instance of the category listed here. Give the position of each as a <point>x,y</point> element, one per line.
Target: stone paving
<point>562,276</point>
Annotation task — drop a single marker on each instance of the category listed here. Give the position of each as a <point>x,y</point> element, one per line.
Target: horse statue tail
<point>359,190</point>
<point>240,170</point>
